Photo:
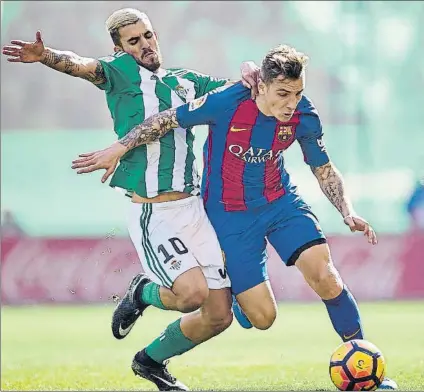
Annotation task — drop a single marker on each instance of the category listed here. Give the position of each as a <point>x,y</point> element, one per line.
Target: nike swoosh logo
<point>234,129</point>
<point>177,383</point>
<point>351,336</point>
<point>125,331</point>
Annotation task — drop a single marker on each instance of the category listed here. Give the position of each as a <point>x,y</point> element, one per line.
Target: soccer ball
<point>357,365</point>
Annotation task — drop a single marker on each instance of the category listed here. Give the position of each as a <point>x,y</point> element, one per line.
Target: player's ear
<point>117,49</point>
<point>156,34</point>
<point>261,86</point>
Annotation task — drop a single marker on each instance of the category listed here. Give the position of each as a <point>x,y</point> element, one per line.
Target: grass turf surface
<point>72,348</point>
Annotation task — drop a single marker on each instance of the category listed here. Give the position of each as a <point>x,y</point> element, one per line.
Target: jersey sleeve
<point>203,84</point>
<point>207,109</point>
<point>310,136</point>
<point>115,68</point>
<point>201,111</point>
<point>206,84</point>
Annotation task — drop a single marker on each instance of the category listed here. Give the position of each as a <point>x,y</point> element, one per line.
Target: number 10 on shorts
<point>176,244</point>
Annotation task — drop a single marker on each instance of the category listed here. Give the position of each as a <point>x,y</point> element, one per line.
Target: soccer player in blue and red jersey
<point>247,191</point>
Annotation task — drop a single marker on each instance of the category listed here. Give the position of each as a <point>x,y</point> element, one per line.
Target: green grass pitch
<point>72,348</point>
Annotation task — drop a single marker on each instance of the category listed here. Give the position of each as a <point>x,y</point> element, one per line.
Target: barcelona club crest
<point>285,133</point>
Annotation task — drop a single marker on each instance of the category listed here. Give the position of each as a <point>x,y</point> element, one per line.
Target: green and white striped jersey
<point>133,94</point>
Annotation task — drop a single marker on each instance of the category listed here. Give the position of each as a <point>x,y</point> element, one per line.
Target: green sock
<point>170,343</point>
<point>151,295</point>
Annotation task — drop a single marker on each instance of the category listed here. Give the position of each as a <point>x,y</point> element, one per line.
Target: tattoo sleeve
<point>332,184</point>
<point>151,129</point>
<point>74,65</point>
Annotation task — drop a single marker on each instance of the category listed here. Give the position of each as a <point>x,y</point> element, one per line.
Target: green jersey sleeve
<point>203,84</point>
<point>118,68</point>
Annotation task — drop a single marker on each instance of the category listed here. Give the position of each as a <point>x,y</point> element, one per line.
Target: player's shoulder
<point>306,106</point>
<point>185,72</point>
<point>180,71</point>
<point>190,74</point>
<point>231,97</point>
<point>118,58</point>
<point>227,97</point>
<point>309,119</point>
<point>236,92</point>
<point>222,99</point>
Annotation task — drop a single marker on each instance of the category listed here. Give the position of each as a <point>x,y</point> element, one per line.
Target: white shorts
<point>174,237</point>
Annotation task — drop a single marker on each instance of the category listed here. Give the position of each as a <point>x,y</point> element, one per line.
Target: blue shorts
<point>289,225</point>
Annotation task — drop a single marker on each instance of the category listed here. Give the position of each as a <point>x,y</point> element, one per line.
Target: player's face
<point>140,41</point>
<point>281,96</point>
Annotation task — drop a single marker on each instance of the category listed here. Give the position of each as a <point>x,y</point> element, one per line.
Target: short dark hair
<point>283,61</point>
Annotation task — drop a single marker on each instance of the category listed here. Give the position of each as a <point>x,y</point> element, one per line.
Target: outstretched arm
<point>62,61</point>
<point>150,130</point>
<point>203,110</point>
<point>153,128</point>
<point>74,65</point>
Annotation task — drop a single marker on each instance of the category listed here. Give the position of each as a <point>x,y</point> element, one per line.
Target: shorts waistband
<point>167,205</point>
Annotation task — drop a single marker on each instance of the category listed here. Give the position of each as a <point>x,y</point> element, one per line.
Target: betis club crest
<point>181,92</point>
<point>285,133</point>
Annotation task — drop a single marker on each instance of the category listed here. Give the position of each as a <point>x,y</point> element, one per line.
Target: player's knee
<point>217,314</point>
<point>263,318</point>
<point>221,322</point>
<point>319,271</point>
<point>330,284</point>
<point>226,321</point>
<point>193,299</point>
<point>191,290</point>
<point>326,280</point>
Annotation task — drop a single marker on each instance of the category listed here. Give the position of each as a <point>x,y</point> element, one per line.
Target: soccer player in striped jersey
<point>174,239</point>
<point>247,191</point>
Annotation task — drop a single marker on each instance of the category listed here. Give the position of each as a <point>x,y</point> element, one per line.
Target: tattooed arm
<point>66,62</point>
<point>150,130</point>
<point>332,184</point>
<point>153,128</point>
<point>74,65</point>
<point>310,137</point>
<point>204,110</point>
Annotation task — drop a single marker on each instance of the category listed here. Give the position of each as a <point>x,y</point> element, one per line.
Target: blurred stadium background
<point>64,237</point>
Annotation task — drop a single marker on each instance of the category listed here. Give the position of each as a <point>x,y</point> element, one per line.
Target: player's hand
<point>356,223</point>
<point>25,52</point>
<point>250,76</point>
<point>104,159</point>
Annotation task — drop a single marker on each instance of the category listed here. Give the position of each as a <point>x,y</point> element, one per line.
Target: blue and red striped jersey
<point>243,154</point>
